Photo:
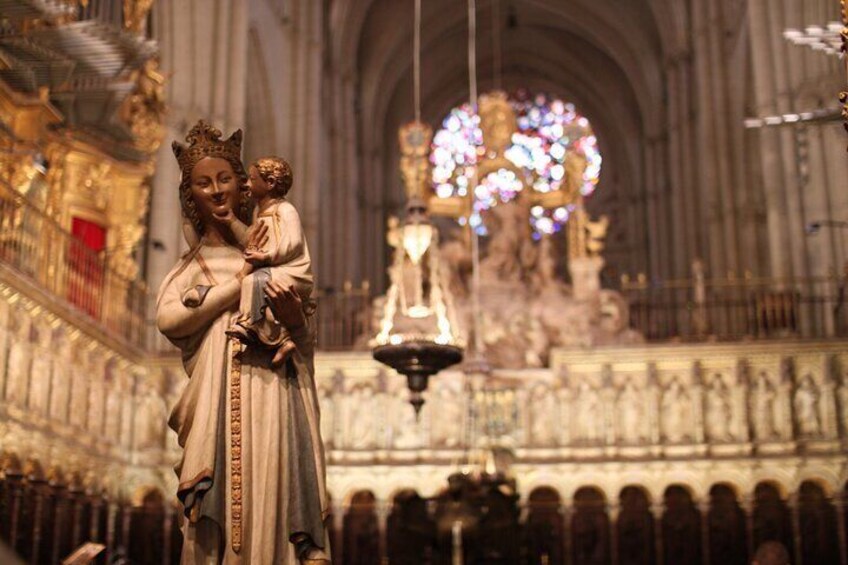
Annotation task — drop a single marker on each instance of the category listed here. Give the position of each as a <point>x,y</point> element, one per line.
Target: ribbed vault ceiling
<point>606,57</point>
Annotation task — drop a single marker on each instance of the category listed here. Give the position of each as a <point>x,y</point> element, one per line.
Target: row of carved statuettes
<point>70,401</point>
<point>61,381</point>
<point>72,389</point>
<point>778,401</point>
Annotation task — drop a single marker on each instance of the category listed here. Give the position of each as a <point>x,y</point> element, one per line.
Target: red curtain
<point>85,273</point>
<point>92,235</point>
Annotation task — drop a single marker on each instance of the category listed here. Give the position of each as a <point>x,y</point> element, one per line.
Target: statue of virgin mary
<point>252,474</point>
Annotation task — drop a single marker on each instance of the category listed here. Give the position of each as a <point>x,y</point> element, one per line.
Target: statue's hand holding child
<point>257,257</point>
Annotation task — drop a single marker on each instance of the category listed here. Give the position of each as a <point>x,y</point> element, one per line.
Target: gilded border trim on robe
<point>235,446</point>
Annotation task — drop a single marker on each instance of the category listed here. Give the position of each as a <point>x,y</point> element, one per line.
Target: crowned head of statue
<point>213,182</point>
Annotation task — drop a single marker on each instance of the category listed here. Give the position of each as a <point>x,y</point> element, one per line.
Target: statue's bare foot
<point>282,354</point>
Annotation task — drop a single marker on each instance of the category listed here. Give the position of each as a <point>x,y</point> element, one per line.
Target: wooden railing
<point>344,317</point>
<point>697,309</point>
<point>41,251</point>
<point>737,307</point>
<point>38,249</point>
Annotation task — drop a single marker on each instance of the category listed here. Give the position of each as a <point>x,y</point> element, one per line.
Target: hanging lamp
<point>417,335</point>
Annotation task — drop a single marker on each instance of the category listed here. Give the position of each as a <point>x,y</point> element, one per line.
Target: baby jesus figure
<point>285,258</point>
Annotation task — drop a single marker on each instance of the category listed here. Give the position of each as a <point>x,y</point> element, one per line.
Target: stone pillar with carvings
<point>608,403</point>
<point>79,370</point>
<point>19,360</point>
<point>697,404</point>
<point>740,391</point>
<point>96,392</point>
<point>41,368</point>
<point>783,417</point>
<point>827,408</point>
<point>654,392</point>
<point>842,403</point>
<point>129,405</point>
<point>60,387</point>
<point>113,407</point>
<point>563,395</point>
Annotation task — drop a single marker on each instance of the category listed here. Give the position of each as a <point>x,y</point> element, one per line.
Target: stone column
<point>704,509</point>
<point>607,394</point>
<point>764,83</point>
<point>338,527</point>
<point>748,504</point>
<point>204,47</point>
<point>698,400</point>
<point>657,510</point>
<point>383,507</point>
<point>563,397</point>
<point>613,510</point>
<point>40,378</point>
<point>567,541</point>
<point>19,360</point>
<point>839,506</point>
<point>165,238</point>
<point>654,432</point>
<point>60,387</point>
<point>796,527</point>
<point>828,412</point>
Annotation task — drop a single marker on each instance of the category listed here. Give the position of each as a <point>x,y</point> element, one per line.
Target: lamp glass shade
<point>417,236</point>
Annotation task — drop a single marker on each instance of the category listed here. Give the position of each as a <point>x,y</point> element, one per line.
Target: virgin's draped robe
<point>281,455</point>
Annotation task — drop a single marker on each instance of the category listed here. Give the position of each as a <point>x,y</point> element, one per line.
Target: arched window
<point>410,530</point>
<point>681,525</point>
<point>817,517</point>
<point>635,527</point>
<point>728,544</point>
<point>548,128</point>
<point>590,528</point>
<point>147,533</point>
<point>545,527</point>
<point>772,521</point>
<point>361,532</point>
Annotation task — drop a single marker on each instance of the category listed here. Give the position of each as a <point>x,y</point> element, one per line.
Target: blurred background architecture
<point>659,372</point>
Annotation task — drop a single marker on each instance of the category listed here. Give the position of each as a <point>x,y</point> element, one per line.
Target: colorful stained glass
<point>548,129</point>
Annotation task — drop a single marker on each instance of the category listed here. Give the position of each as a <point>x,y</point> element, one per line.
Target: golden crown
<point>205,141</point>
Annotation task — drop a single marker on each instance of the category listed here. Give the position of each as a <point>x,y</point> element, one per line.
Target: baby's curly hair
<point>276,172</point>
